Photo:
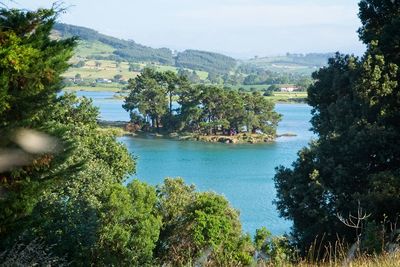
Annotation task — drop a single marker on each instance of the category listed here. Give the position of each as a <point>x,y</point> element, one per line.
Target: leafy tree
<point>272,249</point>
<point>148,96</point>
<point>268,92</point>
<point>130,226</point>
<point>65,199</point>
<point>207,109</point>
<point>170,81</point>
<point>134,67</point>
<point>70,210</point>
<point>260,114</point>
<point>190,109</point>
<point>274,88</point>
<point>117,77</point>
<point>304,83</point>
<point>233,79</point>
<point>199,228</point>
<point>355,161</point>
<point>30,67</point>
<point>212,99</point>
<point>192,76</point>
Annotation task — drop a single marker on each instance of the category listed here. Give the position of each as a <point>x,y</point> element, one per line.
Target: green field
<point>107,69</point>
<point>291,63</point>
<point>288,96</point>
<point>94,48</point>
<point>202,74</point>
<point>112,87</point>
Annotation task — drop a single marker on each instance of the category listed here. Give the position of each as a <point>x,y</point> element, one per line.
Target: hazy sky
<point>240,28</point>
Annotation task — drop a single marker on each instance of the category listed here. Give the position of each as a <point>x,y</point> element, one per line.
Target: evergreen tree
<point>355,161</point>
<point>64,197</point>
<point>30,68</point>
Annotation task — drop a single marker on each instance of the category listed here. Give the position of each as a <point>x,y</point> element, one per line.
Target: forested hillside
<point>112,48</point>
<point>298,63</point>
<point>310,59</point>
<point>121,49</point>
<point>103,62</point>
<point>206,61</point>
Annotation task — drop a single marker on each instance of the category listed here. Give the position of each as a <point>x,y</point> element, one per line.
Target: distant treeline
<point>207,61</point>
<point>132,51</point>
<point>309,60</point>
<point>128,50</point>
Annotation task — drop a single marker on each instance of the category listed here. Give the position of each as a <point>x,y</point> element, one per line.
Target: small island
<point>167,104</point>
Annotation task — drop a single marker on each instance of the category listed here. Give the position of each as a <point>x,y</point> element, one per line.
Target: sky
<point>239,28</point>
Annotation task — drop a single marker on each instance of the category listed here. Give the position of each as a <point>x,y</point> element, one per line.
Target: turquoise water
<point>242,173</point>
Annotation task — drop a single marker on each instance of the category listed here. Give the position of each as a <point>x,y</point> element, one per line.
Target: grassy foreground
<point>385,260</point>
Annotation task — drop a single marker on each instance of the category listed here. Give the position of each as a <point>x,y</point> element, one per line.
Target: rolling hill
<point>293,63</point>
<point>96,46</point>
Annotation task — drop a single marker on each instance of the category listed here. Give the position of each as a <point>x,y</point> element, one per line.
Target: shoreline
<point>118,128</point>
<point>120,91</point>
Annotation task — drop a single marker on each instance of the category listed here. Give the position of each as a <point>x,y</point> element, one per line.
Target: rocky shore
<point>126,129</point>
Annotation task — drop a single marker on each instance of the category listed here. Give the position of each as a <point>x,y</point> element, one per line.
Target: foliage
<point>152,95</point>
<point>30,68</point>
<point>65,199</point>
<point>202,108</point>
<point>127,50</point>
<point>130,226</point>
<point>70,210</point>
<point>214,78</point>
<point>356,157</point>
<point>73,200</point>
<point>30,65</point>
<point>199,228</point>
<point>206,61</point>
<point>261,76</point>
<point>272,249</point>
<point>190,75</point>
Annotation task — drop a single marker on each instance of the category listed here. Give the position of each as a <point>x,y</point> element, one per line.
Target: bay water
<point>243,173</point>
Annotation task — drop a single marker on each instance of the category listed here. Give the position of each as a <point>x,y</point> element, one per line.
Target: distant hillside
<point>121,49</point>
<point>305,63</point>
<point>206,61</point>
<point>95,45</point>
<point>310,60</point>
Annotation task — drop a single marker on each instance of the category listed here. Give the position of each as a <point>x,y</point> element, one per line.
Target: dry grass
<point>385,260</point>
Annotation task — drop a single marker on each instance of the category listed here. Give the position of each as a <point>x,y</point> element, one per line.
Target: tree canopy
<point>355,161</point>
<point>169,101</point>
<point>70,201</point>
<point>206,61</point>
